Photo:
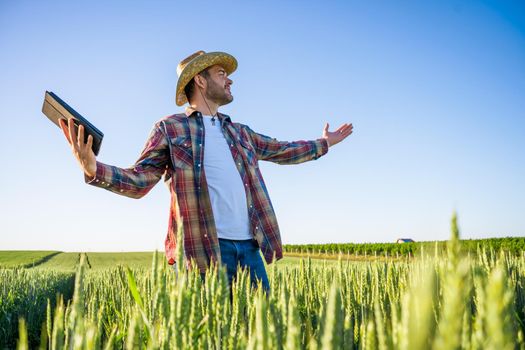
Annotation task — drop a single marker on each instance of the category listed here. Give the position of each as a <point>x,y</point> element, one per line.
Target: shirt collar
<point>192,112</point>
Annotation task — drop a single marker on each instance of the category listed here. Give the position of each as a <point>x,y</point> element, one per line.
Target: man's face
<point>218,86</point>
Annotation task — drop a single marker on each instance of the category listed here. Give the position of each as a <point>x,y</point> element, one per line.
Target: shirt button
<point>200,144</point>
<point>205,235</point>
<point>103,183</point>
<point>96,180</point>
<point>199,165</point>
<point>121,190</point>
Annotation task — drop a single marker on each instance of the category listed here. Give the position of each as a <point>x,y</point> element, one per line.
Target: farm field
<point>62,261</point>
<point>133,300</point>
<point>97,261</point>
<point>512,245</point>
<point>13,258</point>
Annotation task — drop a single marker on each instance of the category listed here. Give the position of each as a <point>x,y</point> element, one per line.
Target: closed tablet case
<point>54,108</point>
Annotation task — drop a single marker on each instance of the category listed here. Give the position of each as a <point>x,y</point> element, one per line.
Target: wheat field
<point>434,301</point>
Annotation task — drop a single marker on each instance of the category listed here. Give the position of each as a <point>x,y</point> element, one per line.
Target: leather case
<point>54,108</point>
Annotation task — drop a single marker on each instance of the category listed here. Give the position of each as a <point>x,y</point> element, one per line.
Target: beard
<point>218,93</point>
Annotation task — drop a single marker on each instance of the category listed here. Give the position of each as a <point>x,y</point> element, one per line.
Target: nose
<point>229,81</point>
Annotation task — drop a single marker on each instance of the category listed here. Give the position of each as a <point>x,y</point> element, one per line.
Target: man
<point>210,165</point>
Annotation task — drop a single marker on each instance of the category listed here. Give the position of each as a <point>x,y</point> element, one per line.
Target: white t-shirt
<point>227,193</point>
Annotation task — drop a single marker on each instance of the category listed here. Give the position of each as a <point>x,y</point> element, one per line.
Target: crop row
<point>511,245</point>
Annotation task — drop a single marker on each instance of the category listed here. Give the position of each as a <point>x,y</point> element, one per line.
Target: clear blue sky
<point>435,91</point>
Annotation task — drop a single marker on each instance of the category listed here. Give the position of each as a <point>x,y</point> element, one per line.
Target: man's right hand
<point>82,151</point>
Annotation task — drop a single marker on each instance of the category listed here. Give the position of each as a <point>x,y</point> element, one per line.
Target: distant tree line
<point>512,245</point>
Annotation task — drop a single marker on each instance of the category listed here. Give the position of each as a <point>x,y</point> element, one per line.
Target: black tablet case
<point>54,108</point>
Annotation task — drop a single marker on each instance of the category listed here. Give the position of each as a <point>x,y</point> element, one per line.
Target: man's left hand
<point>337,136</point>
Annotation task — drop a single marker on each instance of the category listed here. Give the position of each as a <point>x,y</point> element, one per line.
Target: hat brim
<point>198,64</point>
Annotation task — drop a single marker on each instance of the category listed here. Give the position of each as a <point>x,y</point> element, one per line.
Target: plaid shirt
<point>175,149</point>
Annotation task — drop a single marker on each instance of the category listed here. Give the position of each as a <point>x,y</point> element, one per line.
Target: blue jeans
<point>247,254</point>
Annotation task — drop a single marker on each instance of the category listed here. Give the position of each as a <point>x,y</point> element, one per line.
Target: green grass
<point>294,261</point>
<point>19,258</point>
<point>135,259</point>
<point>61,262</point>
<point>97,261</point>
<point>67,262</point>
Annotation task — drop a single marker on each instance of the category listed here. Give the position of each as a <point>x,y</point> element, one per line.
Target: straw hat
<point>197,62</point>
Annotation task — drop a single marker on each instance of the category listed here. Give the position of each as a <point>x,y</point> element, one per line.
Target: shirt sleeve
<point>138,180</point>
<point>285,152</point>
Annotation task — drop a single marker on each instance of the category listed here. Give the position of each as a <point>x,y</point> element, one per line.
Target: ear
<point>200,81</point>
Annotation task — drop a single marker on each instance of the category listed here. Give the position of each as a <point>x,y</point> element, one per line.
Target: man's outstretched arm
<point>132,182</point>
<point>284,152</point>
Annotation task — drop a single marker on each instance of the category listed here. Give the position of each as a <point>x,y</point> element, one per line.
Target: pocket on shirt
<point>181,152</point>
<point>249,152</point>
